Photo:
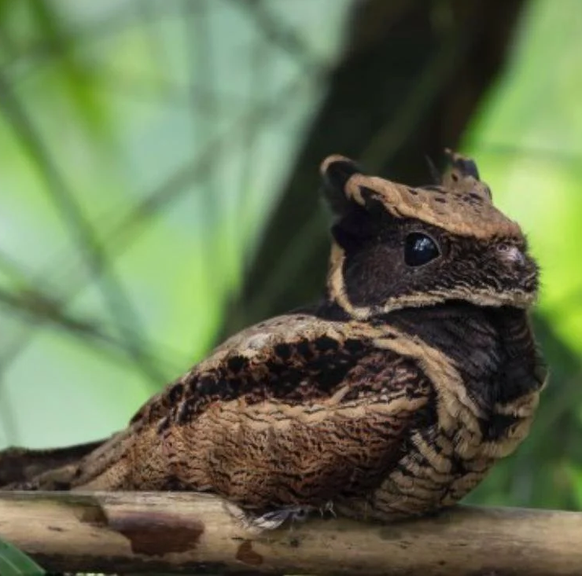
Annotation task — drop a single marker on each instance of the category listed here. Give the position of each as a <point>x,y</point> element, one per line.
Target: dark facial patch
<point>377,269</point>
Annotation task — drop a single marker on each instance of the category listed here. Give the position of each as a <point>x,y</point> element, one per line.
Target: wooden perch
<point>179,532</point>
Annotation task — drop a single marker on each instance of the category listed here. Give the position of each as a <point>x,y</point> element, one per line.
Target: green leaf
<point>13,562</point>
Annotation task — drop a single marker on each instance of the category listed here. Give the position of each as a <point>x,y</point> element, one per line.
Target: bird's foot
<point>328,507</point>
<point>269,520</point>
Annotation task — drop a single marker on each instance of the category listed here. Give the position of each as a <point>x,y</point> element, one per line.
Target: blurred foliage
<point>159,180</point>
<point>119,244</point>
<point>13,562</point>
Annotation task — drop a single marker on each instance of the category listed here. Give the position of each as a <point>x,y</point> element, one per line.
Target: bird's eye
<point>419,249</point>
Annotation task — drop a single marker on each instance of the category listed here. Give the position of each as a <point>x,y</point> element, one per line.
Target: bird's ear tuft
<point>464,166</point>
<point>335,172</point>
<point>463,176</point>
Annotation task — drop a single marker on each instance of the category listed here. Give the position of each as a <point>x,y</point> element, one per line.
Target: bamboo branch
<point>180,532</point>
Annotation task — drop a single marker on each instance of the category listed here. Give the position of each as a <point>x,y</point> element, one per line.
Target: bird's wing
<point>292,411</point>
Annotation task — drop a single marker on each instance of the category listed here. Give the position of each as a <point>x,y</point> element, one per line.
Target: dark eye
<point>419,249</point>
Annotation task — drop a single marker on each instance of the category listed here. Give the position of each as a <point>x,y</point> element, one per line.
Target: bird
<point>389,398</point>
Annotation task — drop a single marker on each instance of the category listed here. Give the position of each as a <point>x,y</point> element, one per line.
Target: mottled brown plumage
<point>391,398</point>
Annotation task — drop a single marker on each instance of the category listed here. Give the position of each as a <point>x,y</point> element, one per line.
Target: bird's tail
<point>19,466</point>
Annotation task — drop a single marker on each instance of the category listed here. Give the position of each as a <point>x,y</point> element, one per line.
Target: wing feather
<point>291,412</point>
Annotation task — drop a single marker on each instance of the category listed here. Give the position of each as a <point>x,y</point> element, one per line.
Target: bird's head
<point>395,246</point>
